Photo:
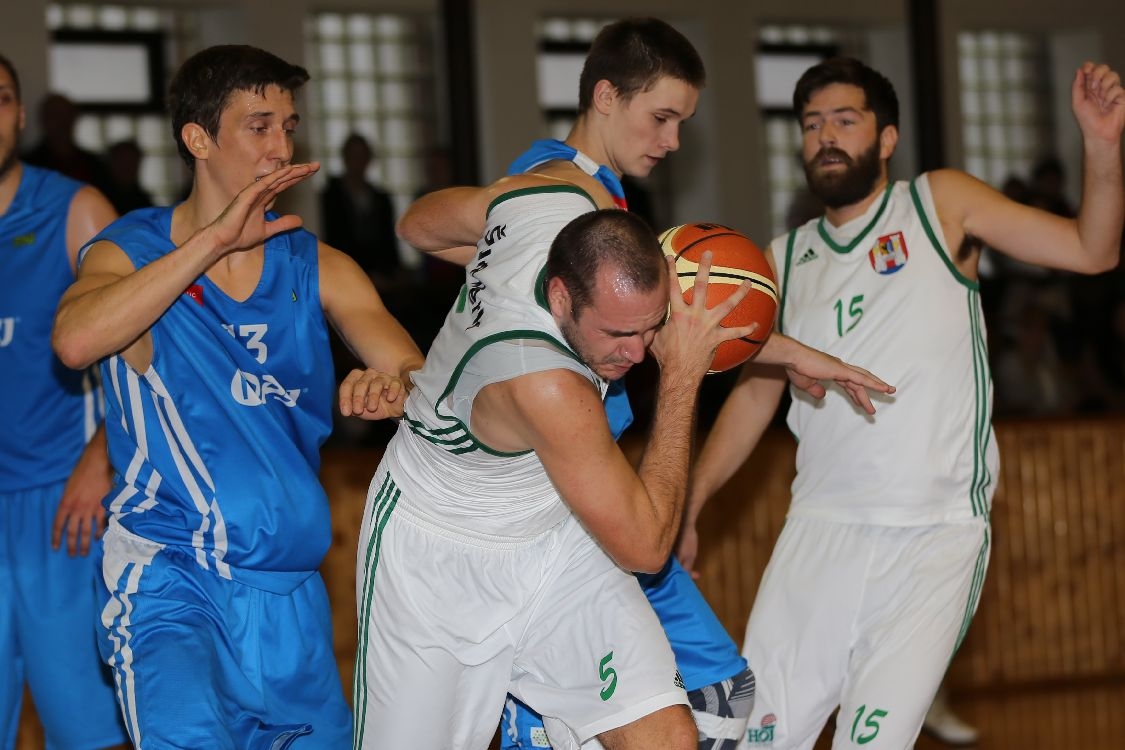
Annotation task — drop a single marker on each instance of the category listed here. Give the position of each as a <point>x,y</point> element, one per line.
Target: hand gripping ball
<point>734,258</point>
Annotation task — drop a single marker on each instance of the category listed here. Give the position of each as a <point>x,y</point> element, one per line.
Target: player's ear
<point>605,95</point>
<point>558,297</point>
<point>196,140</point>
<point>888,140</point>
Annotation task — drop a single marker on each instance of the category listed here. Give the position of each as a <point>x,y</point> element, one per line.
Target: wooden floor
<point>1043,665</point>
<point>1069,717</point>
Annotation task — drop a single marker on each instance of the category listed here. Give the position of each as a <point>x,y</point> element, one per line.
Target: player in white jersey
<point>503,518</point>
<point>878,570</point>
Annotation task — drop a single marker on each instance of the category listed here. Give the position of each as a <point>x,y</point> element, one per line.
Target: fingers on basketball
<point>735,259</point>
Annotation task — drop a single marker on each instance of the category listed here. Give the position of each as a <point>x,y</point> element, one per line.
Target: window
<point>1005,103</point>
<point>563,44</point>
<point>373,74</point>
<point>784,53</point>
<point>162,171</point>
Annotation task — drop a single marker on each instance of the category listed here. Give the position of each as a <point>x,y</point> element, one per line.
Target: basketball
<point>734,259</point>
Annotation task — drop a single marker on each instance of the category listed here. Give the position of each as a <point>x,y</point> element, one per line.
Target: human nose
<point>633,349</point>
<point>671,137</point>
<point>826,135</point>
<point>281,147</point>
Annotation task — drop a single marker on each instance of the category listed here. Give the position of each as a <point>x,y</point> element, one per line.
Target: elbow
<point>406,229</point>
<point>69,352</point>
<point>1110,262</point>
<point>69,348</point>
<point>650,559</point>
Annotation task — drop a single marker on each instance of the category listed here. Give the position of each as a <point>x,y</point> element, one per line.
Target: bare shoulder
<point>955,192</point>
<point>90,212</point>
<point>90,201</point>
<point>543,411</point>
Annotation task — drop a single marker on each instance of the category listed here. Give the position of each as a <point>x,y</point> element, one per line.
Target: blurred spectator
<point>58,150</point>
<point>358,217</point>
<point>1029,378</point>
<point>125,191</point>
<point>1048,185</point>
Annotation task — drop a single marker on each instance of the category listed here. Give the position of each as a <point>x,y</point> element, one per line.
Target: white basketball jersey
<point>500,328</point>
<point>882,292</point>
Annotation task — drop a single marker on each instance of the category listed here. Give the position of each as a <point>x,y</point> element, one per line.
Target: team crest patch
<point>889,253</point>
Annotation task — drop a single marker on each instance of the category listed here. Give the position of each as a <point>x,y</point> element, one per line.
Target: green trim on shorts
<point>382,507</point>
<point>975,590</point>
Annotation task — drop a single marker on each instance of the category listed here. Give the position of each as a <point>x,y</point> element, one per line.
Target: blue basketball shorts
<point>204,661</point>
<point>48,630</point>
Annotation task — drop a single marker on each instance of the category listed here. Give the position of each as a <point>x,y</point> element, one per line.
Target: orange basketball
<point>734,258</point>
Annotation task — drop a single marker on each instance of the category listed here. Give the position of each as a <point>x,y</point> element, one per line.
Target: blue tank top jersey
<point>704,651</point>
<point>217,446</point>
<point>50,411</point>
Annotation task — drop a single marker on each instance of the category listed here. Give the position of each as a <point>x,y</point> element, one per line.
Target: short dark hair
<point>633,54</point>
<point>204,84</point>
<point>7,65</point>
<point>608,237</point>
<point>877,90</point>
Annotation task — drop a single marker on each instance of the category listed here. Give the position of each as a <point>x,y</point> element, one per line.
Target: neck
<point>205,203</point>
<point>584,137</point>
<point>842,215</point>
<point>9,183</point>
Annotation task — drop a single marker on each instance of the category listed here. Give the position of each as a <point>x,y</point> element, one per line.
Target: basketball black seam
<point>709,237</point>
<point>753,281</point>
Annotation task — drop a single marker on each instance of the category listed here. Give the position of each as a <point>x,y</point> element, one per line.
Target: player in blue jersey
<point>631,56</point>
<point>53,465</point>
<point>640,81</point>
<point>210,320</point>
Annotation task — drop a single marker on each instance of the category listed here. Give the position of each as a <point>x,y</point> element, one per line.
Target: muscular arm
<point>112,305</point>
<point>448,223</point>
<point>80,515</point>
<point>634,515</point>
<point>1090,243</point>
<point>356,311</point>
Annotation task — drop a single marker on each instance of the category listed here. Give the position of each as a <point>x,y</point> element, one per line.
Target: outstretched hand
<point>1098,101</point>
<point>372,395</point>
<point>243,223</point>
<point>808,367</point>
<point>688,341</point>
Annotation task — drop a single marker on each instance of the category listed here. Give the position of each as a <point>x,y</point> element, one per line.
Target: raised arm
<point>448,223</point>
<point>634,515</point>
<point>1090,243</point>
<point>112,305</point>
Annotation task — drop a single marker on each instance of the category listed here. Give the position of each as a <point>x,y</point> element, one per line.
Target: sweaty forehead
<point>271,99</point>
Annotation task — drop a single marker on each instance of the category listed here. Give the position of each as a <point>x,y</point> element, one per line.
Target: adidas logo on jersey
<point>809,254</point>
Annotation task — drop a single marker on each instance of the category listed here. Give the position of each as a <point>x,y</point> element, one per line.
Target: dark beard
<point>849,187</point>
